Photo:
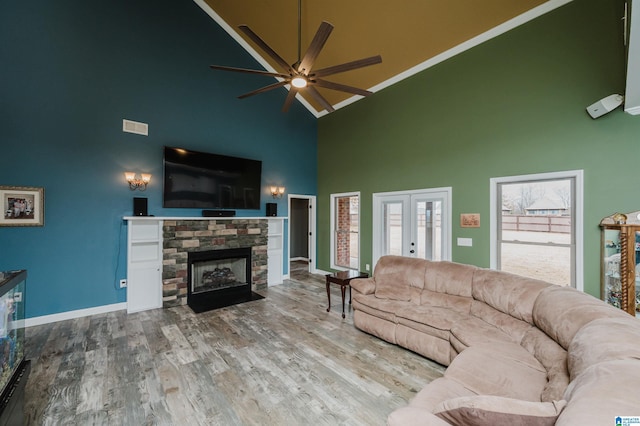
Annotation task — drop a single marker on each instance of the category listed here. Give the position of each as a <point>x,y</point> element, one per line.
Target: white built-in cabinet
<point>275,238</point>
<point>144,265</point>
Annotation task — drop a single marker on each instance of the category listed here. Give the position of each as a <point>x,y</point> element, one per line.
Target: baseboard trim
<point>62,316</point>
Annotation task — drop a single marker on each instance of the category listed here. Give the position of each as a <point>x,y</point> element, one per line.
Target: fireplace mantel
<point>148,257</point>
<point>151,218</point>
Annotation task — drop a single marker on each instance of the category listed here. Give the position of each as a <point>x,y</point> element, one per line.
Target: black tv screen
<point>210,181</point>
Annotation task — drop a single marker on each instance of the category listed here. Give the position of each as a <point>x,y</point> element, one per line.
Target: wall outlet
<point>123,283</point>
<point>367,267</point>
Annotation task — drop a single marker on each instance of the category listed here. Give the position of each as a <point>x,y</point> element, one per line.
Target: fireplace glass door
<point>219,274</point>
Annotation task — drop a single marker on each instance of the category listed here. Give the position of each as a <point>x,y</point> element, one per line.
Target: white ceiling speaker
<point>605,105</point>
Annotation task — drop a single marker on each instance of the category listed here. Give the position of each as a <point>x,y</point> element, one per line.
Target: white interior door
<point>412,223</point>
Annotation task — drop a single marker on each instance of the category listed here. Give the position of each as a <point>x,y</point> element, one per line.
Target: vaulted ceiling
<point>410,35</point>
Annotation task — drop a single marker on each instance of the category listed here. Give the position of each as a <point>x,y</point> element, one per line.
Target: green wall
<point>513,105</point>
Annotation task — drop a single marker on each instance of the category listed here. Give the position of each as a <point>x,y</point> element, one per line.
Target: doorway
<point>412,223</point>
<point>302,238</point>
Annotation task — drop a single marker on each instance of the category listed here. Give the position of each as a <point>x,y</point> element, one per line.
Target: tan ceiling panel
<point>405,33</point>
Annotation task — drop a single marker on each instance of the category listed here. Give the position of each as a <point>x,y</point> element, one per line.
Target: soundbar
<point>218,213</point>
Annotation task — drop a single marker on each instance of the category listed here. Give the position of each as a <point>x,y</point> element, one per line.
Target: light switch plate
<point>465,242</point>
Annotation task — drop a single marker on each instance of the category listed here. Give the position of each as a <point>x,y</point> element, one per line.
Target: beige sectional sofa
<point>519,351</point>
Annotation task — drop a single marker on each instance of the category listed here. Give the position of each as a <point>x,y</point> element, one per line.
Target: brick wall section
<point>183,236</point>
<point>343,226</point>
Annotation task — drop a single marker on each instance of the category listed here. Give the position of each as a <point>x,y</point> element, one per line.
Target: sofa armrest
<point>363,285</point>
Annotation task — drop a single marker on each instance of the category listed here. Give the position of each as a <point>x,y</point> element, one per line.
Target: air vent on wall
<point>135,127</point>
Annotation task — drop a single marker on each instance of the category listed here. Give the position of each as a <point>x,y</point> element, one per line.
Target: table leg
<point>328,296</point>
<point>343,288</point>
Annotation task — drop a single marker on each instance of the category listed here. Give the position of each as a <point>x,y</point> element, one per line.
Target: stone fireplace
<point>183,239</point>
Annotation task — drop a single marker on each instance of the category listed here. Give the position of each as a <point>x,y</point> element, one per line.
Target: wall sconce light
<point>140,184</point>
<point>277,191</point>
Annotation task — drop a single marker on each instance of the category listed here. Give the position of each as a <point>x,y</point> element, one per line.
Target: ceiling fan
<point>299,75</point>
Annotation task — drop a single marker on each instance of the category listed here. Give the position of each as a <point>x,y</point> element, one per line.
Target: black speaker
<point>272,209</point>
<point>140,206</point>
<point>218,213</point>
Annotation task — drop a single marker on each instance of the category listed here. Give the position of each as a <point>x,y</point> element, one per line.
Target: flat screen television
<point>210,181</point>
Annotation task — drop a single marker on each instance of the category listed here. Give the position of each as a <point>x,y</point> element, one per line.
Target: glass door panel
<point>410,224</point>
<point>393,227</point>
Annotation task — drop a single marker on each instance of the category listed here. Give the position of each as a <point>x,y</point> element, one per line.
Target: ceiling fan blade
<point>272,74</point>
<point>341,87</point>
<point>290,97</point>
<point>319,98</point>
<point>264,46</point>
<point>264,89</point>
<point>348,66</point>
<point>315,47</point>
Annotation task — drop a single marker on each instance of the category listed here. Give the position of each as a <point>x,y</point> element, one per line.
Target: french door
<point>412,223</point>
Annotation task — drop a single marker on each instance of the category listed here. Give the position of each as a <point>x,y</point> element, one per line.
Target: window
<point>536,226</point>
<point>345,230</point>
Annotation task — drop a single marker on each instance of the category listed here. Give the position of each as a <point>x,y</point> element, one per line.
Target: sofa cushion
<point>554,359</point>
<point>441,389</point>
<point>414,416</point>
<point>472,331</point>
<point>500,369</point>
<point>485,410</point>
<point>601,393</point>
<point>383,308</point>
<point>504,322</point>
<point>449,278</point>
<point>393,286</point>
<point>508,293</point>
<point>411,269</point>
<point>460,304</point>
<point>618,339</point>
<point>433,320</point>
<point>363,285</point>
<point>561,311</point>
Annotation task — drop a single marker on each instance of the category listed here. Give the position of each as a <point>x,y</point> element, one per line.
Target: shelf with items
<point>620,247</point>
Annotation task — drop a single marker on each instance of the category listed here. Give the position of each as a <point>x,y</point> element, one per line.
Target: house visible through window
<point>535,227</point>
<point>345,225</point>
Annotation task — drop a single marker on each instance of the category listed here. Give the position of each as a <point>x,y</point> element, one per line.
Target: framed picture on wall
<point>22,206</point>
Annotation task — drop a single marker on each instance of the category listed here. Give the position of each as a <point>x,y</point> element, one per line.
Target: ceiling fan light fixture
<point>299,82</point>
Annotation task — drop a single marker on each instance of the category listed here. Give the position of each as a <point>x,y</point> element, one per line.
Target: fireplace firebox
<point>219,278</point>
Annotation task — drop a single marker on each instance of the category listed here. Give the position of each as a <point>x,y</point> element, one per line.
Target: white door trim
<point>578,175</point>
<point>312,229</point>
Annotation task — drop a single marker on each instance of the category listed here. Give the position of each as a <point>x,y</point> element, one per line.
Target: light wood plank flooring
<point>279,361</point>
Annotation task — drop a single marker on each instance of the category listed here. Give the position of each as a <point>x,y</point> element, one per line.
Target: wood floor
<point>282,360</point>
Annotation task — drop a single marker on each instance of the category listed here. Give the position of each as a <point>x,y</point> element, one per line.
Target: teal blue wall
<point>70,72</point>
<point>514,105</point>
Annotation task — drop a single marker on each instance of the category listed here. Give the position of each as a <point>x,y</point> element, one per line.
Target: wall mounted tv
<point>210,181</point>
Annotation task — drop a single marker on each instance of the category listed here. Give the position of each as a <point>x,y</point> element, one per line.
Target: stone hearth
<point>183,236</point>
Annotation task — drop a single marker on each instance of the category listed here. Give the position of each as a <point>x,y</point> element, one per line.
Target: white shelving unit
<point>144,265</point>
<point>275,252</point>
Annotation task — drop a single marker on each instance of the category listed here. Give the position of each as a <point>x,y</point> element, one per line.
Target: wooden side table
<point>343,278</point>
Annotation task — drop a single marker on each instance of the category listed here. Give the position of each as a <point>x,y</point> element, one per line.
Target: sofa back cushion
<point>508,293</point>
<point>399,278</point>
<point>604,339</point>
<point>601,393</point>
<point>561,311</point>
<point>513,327</point>
<point>449,278</point>
<point>459,304</point>
<point>554,359</point>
